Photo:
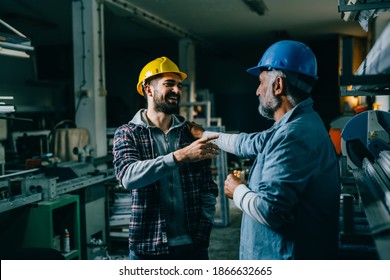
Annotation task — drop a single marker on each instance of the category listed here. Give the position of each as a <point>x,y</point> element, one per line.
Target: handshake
<point>232,180</point>
<point>195,129</point>
<point>200,149</point>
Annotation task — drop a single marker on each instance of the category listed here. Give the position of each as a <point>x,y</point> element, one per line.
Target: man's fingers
<point>205,144</point>
<point>207,139</point>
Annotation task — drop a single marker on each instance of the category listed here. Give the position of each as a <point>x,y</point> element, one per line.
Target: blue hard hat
<point>288,55</point>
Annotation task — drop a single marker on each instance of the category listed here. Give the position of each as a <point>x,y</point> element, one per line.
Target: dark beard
<point>166,108</point>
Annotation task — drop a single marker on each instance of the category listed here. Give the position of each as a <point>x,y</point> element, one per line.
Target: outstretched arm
<point>225,141</point>
<point>198,150</point>
<point>133,172</point>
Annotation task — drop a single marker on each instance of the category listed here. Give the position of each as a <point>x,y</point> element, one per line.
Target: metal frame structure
<point>16,44</point>
<point>368,5</point>
<point>379,82</point>
<point>222,171</point>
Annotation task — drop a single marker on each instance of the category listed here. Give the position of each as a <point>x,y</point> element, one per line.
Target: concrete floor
<point>224,241</point>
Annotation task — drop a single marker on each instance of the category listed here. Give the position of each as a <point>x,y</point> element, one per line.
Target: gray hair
<point>297,88</point>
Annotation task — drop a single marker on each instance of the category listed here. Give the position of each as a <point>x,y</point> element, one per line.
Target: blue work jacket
<point>295,176</point>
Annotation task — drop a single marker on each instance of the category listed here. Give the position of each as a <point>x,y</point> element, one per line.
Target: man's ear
<point>148,90</point>
<point>279,85</point>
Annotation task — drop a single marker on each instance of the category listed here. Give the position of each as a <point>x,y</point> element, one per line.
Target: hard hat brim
<point>182,75</point>
<point>255,71</point>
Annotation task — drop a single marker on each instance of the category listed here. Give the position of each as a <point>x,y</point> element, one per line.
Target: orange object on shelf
<point>335,136</point>
<point>361,108</point>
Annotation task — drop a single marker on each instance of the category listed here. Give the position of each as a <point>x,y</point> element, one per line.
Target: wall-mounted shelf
<point>362,11</point>
<point>373,76</point>
<point>348,5</point>
<point>360,85</point>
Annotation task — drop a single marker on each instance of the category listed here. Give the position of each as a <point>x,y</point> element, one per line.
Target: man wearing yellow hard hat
<point>168,173</point>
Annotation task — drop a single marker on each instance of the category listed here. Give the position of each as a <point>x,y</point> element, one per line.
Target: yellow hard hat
<point>158,66</point>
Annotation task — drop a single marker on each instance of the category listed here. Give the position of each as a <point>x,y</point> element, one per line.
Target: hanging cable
<point>102,89</point>
<point>83,57</point>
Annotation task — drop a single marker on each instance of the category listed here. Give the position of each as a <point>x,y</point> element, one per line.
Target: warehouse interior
<point>68,75</point>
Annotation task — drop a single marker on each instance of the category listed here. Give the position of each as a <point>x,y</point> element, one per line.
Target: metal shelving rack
<point>344,5</point>
<point>375,203</point>
<point>380,82</point>
<point>377,84</point>
<point>220,164</point>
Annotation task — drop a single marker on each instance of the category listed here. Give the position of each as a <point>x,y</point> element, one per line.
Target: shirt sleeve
<point>132,172</point>
<point>225,141</point>
<point>142,173</point>
<point>247,201</point>
<point>244,198</point>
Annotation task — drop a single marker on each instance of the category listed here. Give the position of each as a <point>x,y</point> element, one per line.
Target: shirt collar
<point>175,120</point>
<point>303,105</point>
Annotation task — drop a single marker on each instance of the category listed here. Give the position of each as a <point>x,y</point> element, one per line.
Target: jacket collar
<point>305,105</point>
<point>139,119</point>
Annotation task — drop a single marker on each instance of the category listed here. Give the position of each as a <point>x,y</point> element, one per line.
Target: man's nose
<point>176,89</point>
<point>258,91</point>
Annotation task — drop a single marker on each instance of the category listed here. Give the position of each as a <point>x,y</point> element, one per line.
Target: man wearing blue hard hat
<point>290,201</point>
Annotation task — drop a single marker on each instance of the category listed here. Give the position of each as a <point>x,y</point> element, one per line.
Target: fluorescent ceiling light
<point>15,44</point>
<point>16,53</point>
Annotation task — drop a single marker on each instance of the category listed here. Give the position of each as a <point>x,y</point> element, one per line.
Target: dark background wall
<point>222,74</point>
<point>43,85</point>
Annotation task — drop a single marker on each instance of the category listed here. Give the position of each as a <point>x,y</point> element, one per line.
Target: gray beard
<point>268,109</point>
<point>266,112</point>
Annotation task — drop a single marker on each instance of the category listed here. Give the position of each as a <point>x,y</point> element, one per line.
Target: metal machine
<point>365,136</point>
<point>366,145</point>
<point>83,179</point>
<point>52,181</point>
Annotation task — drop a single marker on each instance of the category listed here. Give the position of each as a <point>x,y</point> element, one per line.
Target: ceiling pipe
<point>256,6</point>
<point>159,22</point>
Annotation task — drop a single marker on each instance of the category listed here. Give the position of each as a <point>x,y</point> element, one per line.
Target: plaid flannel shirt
<point>147,227</point>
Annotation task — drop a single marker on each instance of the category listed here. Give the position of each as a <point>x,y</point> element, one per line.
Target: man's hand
<point>195,129</point>
<point>198,150</point>
<point>231,183</point>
